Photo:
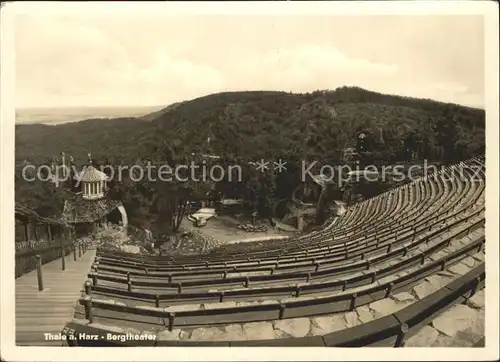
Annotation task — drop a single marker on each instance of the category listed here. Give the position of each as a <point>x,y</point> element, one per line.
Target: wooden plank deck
<point>47,311</point>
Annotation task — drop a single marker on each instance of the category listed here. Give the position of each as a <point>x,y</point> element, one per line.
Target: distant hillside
<point>37,143</point>
<point>154,115</point>
<point>255,124</point>
<point>248,126</point>
<point>319,124</point>
<point>60,115</point>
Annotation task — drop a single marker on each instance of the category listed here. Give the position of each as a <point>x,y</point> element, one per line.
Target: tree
<point>447,132</point>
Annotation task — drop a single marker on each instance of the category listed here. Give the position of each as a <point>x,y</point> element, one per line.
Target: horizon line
<point>164,105</point>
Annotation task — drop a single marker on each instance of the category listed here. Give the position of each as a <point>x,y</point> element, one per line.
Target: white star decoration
<point>280,165</point>
<point>261,165</point>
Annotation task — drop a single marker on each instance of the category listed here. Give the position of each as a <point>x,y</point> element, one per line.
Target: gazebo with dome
<point>93,182</point>
<point>89,207</point>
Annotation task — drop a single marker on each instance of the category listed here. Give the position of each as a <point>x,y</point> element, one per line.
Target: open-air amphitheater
<point>403,269</point>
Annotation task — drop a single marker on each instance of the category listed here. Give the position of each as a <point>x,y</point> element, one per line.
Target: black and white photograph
<point>282,176</point>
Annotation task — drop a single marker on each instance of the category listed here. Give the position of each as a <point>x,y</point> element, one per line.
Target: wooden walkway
<point>47,311</point>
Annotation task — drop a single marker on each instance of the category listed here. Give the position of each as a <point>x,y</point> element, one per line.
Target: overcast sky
<point>136,61</point>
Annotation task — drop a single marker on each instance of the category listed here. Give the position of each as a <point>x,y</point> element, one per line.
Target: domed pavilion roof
<point>91,174</point>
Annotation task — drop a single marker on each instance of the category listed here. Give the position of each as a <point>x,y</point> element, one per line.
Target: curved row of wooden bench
<point>387,241</point>
<point>342,233</point>
<point>131,261</point>
<point>319,261</point>
<point>388,331</point>
<point>354,250</point>
<point>281,270</point>
<point>360,213</point>
<point>321,280</point>
<point>341,302</point>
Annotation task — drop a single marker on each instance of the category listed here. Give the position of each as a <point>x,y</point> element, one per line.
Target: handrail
<point>29,260</point>
<point>44,249</point>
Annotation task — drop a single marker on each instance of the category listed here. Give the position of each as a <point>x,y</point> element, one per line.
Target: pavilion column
<point>49,232</point>
<point>26,232</point>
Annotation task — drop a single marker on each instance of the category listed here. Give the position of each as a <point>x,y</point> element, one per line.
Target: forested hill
<point>259,124</point>
<point>255,124</point>
<point>244,126</point>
